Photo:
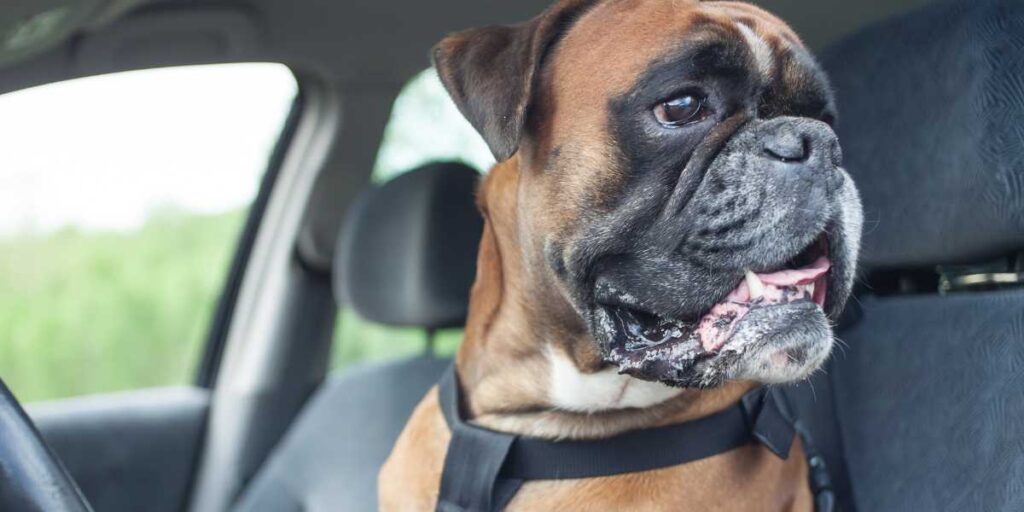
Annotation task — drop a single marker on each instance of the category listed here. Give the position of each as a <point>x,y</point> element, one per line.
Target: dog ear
<point>490,71</point>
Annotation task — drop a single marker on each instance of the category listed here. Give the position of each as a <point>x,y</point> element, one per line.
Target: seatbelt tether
<point>474,459</point>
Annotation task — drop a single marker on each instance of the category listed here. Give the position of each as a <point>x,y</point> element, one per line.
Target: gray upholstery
<point>930,401</point>
<point>124,449</point>
<point>921,408</point>
<point>930,110</point>
<point>406,257</point>
<point>329,458</point>
<point>407,252</point>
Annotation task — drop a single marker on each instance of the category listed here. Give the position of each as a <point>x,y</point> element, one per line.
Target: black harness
<point>484,469</point>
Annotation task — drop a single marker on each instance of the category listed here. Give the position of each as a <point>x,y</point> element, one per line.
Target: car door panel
<point>131,451</point>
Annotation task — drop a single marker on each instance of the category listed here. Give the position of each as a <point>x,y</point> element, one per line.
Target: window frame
<point>216,338</point>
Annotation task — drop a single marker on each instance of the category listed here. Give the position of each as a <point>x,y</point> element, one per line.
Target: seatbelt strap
<point>483,469</point>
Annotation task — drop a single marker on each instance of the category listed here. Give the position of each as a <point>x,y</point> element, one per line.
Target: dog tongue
<point>793,277</point>
<point>718,324</point>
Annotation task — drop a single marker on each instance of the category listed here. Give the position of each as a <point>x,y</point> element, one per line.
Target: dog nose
<point>785,145</point>
<point>800,141</point>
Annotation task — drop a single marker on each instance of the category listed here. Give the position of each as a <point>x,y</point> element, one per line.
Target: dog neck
<point>528,363</point>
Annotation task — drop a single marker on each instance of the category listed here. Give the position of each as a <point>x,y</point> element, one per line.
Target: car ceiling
<point>357,40</point>
<point>359,47</point>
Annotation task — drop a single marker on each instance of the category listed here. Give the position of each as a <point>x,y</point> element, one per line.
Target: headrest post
<point>429,349</point>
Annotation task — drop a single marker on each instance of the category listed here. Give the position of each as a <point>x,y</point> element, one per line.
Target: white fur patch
<point>573,390</point>
<point>762,53</point>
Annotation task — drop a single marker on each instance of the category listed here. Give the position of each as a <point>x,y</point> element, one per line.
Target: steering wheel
<point>31,476</point>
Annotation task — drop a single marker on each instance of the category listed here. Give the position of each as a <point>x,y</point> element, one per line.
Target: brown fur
<point>564,169</point>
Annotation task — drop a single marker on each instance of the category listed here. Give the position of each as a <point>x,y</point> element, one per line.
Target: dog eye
<point>680,111</point>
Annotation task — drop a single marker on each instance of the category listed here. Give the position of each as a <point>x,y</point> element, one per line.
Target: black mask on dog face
<point>735,236</point>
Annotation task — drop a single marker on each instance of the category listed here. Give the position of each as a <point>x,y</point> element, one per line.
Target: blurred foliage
<point>425,126</point>
<point>357,340</point>
<point>85,313</point>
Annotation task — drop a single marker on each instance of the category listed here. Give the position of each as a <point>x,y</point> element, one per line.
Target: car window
<point>425,126</point>
<point>121,200</point>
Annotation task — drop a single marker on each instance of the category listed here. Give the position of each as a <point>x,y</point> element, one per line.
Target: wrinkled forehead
<point>618,41</point>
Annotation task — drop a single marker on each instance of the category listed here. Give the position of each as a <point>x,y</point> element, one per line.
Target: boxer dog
<point>668,227</point>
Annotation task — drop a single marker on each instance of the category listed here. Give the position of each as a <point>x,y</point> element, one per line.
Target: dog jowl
<point>680,195</point>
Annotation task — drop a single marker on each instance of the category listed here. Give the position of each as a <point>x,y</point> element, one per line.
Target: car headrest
<point>931,119</point>
<point>407,251</point>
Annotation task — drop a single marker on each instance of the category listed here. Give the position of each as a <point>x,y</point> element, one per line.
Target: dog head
<point>680,185</point>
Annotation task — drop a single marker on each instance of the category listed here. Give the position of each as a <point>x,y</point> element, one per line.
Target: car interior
<point>918,409</point>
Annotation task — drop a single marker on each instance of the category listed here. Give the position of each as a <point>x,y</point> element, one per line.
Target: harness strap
<point>483,469</point>
<point>471,468</point>
<point>820,480</point>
